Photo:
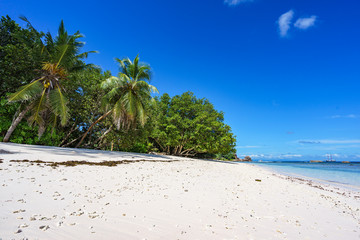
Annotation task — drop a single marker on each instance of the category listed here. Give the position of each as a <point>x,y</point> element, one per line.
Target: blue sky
<point>285,72</point>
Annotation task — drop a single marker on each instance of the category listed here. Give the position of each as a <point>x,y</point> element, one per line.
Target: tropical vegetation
<point>126,95</point>
<point>69,103</point>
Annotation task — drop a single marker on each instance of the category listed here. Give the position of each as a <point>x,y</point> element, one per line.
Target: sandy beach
<point>163,197</point>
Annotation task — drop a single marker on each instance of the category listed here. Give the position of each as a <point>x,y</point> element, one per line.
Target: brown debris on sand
<point>75,163</point>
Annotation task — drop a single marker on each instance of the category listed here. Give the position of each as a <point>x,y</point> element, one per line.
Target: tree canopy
<point>44,78</point>
<point>189,126</point>
<point>44,96</point>
<point>20,55</point>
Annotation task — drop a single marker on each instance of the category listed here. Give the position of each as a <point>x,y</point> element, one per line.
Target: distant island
<point>245,159</point>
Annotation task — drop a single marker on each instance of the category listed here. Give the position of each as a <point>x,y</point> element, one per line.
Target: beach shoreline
<point>177,198</point>
<point>312,180</point>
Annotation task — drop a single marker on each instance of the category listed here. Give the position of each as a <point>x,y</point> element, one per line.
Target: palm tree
<point>126,95</point>
<point>44,96</point>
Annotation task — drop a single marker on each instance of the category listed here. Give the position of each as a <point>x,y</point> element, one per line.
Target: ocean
<point>335,173</point>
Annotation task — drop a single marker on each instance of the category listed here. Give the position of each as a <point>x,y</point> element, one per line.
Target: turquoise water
<point>332,172</point>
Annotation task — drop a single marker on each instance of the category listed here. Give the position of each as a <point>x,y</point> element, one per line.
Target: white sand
<point>184,199</point>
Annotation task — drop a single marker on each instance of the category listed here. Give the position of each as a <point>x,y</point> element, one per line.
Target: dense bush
<point>189,126</point>
<point>24,133</point>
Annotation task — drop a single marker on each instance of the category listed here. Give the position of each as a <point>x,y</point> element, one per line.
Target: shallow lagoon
<point>332,172</point>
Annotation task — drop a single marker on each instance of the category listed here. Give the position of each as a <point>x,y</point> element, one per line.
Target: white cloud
<point>235,2</point>
<point>284,22</point>
<point>329,141</point>
<point>344,116</point>
<point>305,23</point>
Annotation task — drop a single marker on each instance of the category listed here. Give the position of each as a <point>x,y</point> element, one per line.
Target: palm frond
<point>147,87</point>
<point>62,52</point>
<point>128,93</point>
<point>128,101</point>
<point>61,30</point>
<point>58,104</point>
<point>37,107</point>
<point>135,66</point>
<point>124,78</point>
<point>143,73</point>
<point>118,114</point>
<point>27,92</point>
<point>141,113</point>
<point>49,44</point>
<point>30,26</point>
<point>113,93</point>
<point>153,89</point>
<point>49,39</point>
<point>53,122</point>
<point>85,54</point>
<point>122,65</point>
<point>110,82</point>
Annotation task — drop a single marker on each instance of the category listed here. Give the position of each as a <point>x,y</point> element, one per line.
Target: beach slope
<point>146,196</point>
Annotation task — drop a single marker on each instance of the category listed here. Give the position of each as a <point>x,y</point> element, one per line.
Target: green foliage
<point>84,94</point>
<point>25,133</point>
<point>20,55</point>
<point>225,157</point>
<point>128,93</point>
<point>49,74</point>
<point>189,126</point>
<point>126,96</point>
<point>45,94</point>
<point>27,92</point>
<point>140,148</point>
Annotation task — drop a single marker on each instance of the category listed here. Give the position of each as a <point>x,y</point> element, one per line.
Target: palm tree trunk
<point>14,124</point>
<point>92,125</point>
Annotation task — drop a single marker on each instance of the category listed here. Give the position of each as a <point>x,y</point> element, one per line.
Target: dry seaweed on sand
<point>76,163</point>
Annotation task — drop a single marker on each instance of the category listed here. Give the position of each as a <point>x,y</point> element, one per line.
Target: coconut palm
<point>126,95</point>
<point>44,97</point>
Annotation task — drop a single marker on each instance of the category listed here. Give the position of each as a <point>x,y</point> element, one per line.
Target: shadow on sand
<point>88,153</point>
